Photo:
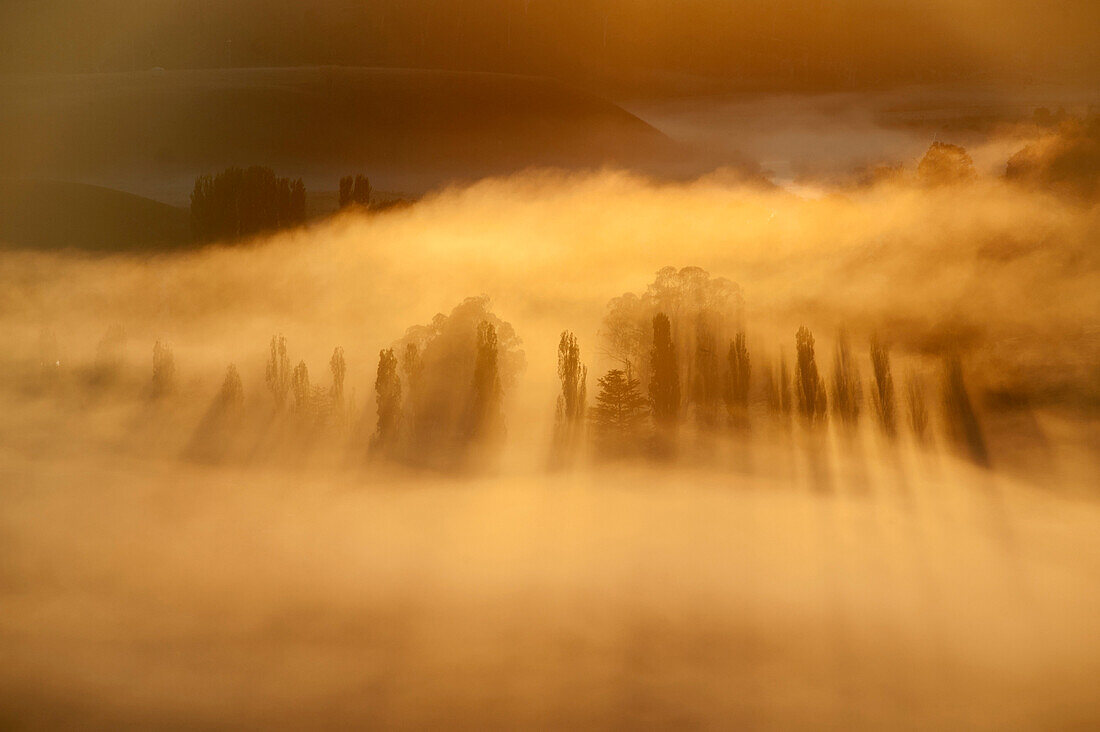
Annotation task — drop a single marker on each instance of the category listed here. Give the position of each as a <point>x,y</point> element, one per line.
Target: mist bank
<point>143,592</point>
<point>1002,271</point>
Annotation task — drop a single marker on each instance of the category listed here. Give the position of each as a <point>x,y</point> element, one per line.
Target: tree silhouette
<point>339,370</point>
<point>770,386</point>
<point>487,420</point>
<point>810,388</point>
<point>214,435</point>
<point>883,394</point>
<point>412,364</point>
<point>231,394</point>
<point>664,383</point>
<point>297,203</point>
<point>241,202</point>
<point>355,190</point>
<point>847,392</point>
<point>945,164</point>
<point>706,381</point>
<point>619,413</point>
<point>345,190</point>
<point>387,389</point>
<point>453,399</point>
<point>785,400</point>
<point>918,412</point>
<point>962,421</point>
<point>361,191</point>
<point>737,379</point>
<point>283,202</point>
<point>689,297</point>
<point>570,412</point>
<point>164,369</point>
<point>278,372</point>
<point>302,392</point>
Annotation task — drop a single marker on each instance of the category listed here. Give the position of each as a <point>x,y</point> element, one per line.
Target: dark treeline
<point>355,191</point>
<point>240,202</point>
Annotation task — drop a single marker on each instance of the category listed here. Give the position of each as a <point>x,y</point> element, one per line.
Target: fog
<point>779,576</point>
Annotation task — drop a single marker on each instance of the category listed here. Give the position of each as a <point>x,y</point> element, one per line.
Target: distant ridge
<point>152,132</point>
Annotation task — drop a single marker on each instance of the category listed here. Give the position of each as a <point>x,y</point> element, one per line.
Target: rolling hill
<point>153,132</point>
<point>48,215</point>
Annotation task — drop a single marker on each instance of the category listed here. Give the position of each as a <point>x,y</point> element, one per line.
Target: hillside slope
<point>152,132</point>
<point>55,216</point>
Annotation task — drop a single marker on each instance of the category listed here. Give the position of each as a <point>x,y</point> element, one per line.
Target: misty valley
<point>549,365</point>
<point>268,457</point>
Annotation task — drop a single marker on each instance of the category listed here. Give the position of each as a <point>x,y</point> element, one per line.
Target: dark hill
<point>53,216</point>
<point>153,132</point>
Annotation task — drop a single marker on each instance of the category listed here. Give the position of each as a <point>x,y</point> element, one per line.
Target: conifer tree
<point>619,413</point>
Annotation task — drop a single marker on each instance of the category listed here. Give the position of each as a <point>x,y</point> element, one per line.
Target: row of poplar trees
<point>625,421</point>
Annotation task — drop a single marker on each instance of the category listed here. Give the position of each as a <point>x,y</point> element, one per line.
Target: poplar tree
<point>387,389</point>
<point>487,421</point>
<point>737,379</point>
<point>883,395</point>
<point>664,383</point>
<point>569,415</point>
<point>847,394</point>
<point>812,401</point>
<point>962,421</point>
<point>345,190</point>
<point>339,370</point>
<point>278,371</point>
<point>302,392</point>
